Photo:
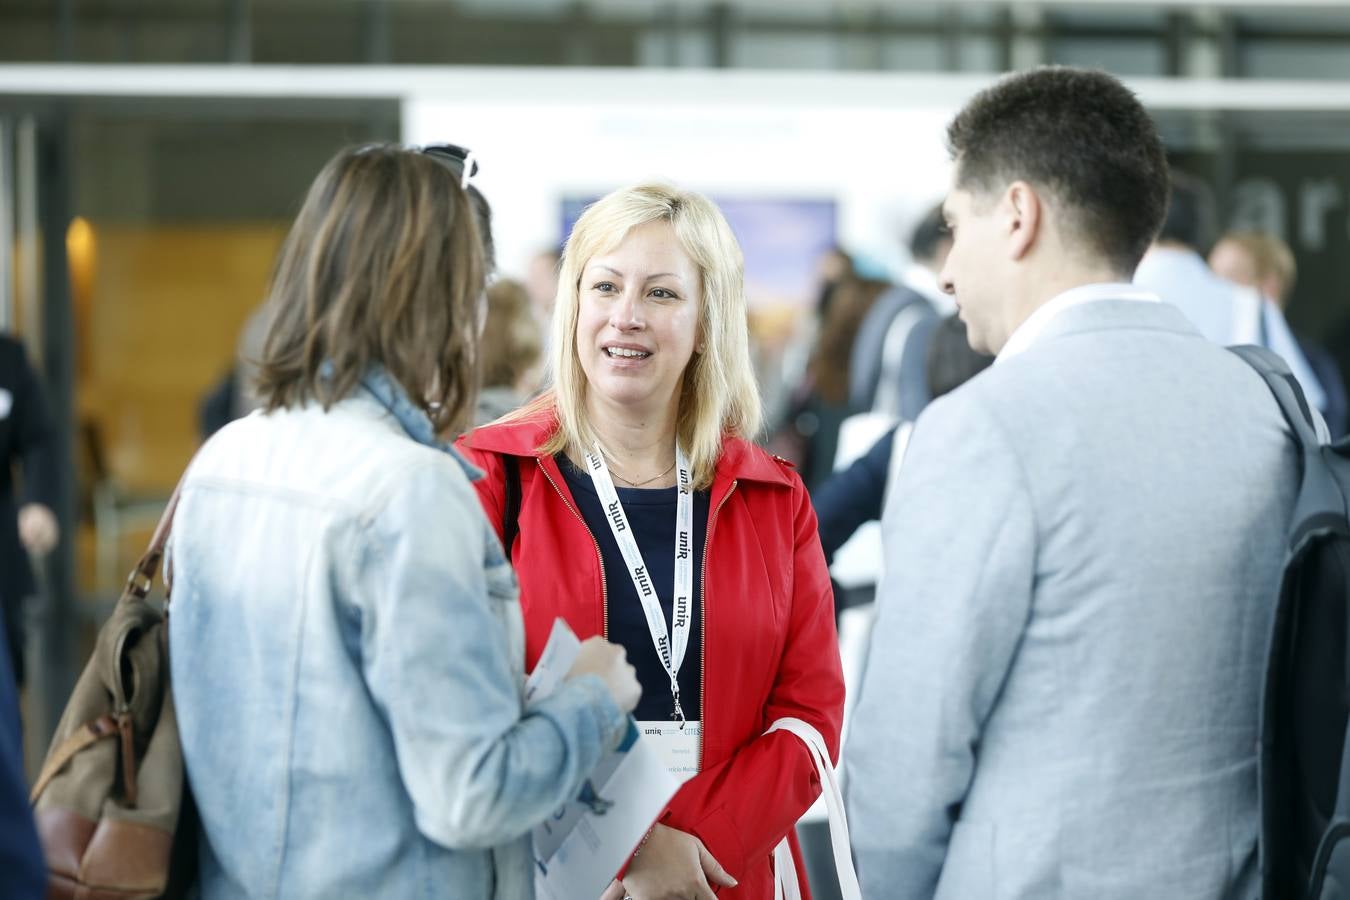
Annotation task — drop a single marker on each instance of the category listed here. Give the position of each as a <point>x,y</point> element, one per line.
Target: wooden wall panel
<point>157,331</point>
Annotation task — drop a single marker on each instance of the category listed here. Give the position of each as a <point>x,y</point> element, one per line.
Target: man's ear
<point>1022,216</point>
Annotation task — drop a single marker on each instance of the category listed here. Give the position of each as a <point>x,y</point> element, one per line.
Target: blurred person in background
<point>1083,547</point>
<point>233,397</point>
<point>1260,260</point>
<point>654,390</point>
<point>1224,312</point>
<point>835,267</point>
<point>541,283</point>
<point>856,495</point>
<point>23,872</point>
<point>363,634</point>
<point>886,373</point>
<point>511,351</point>
<point>1256,259</point>
<point>28,524</point>
<point>780,378</point>
<point>809,433</point>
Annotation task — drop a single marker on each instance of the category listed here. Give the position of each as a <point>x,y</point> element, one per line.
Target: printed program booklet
<point>581,846</point>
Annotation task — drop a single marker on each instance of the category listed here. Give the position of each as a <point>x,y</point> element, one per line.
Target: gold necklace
<point>638,484</point>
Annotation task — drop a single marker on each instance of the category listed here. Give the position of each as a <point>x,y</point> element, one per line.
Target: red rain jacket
<point>769,643</point>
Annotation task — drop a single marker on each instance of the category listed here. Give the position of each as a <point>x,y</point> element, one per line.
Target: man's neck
<point>1044,289</point>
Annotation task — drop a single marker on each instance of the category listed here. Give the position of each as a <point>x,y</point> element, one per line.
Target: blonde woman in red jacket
<point>718,591</point>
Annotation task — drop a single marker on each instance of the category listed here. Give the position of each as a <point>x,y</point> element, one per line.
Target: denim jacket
<point>347,660</point>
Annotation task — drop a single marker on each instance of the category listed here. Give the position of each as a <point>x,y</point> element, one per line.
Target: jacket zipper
<point>703,625</point>
<point>703,593</point>
<point>604,587</point>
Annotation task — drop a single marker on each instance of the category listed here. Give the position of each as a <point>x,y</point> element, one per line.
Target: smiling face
<point>638,320</point>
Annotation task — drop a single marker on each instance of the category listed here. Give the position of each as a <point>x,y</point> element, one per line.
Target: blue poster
<point>782,239</point>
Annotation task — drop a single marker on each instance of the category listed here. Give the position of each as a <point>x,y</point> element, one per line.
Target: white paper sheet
<point>581,846</point>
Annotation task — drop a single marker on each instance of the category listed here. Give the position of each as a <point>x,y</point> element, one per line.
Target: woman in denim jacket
<point>347,643</point>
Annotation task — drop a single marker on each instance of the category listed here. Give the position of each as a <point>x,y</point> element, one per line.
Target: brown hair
<point>512,341</point>
<point>384,265</point>
<point>849,302</point>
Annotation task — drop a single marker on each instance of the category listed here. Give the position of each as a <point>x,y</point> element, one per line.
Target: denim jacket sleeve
<point>440,637</point>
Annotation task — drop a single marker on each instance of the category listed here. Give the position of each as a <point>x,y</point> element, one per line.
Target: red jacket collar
<point>740,459</point>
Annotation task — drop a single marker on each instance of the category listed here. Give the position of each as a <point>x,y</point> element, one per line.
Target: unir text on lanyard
<point>670,649</point>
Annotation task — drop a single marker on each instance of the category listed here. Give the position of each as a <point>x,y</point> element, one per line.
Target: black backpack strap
<point>1298,416</point>
<point>1321,500</point>
<point>511,508</point>
<point>1343,792</point>
<point>1286,390</point>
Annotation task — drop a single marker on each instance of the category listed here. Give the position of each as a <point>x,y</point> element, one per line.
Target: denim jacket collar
<point>416,424</point>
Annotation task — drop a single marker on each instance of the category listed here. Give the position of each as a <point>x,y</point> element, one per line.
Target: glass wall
<point>1287,40</point>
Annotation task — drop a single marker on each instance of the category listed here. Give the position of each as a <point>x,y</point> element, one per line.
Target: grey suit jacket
<point>1082,557</point>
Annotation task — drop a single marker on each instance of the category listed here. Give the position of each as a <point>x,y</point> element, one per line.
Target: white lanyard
<point>672,657</point>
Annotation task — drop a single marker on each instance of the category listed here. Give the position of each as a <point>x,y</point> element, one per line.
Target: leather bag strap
<point>142,577</point>
<point>139,583</point>
<point>91,733</point>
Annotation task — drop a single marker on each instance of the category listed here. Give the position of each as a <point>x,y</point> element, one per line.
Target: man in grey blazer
<point>1082,550</point>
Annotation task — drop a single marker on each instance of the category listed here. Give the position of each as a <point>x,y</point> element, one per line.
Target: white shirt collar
<point>1026,334</point>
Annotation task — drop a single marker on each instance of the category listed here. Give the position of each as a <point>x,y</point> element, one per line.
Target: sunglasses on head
<point>460,159</point>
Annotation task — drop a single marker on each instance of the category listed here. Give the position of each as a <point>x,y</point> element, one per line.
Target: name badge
<point>677,748</point>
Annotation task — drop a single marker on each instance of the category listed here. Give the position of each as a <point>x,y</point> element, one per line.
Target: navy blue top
<point>849,499</point>
<point>651,515</point>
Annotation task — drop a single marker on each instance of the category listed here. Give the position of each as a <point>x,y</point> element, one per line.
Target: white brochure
<point>578,850</point>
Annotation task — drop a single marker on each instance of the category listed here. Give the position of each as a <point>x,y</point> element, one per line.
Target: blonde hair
<point>1270,256</point>
<point>718,395</point>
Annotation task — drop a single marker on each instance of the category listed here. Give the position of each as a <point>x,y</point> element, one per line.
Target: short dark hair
<point>384,265</point>
<point>1080,135</point>
<point>1189,213</point>
<point>928,235</point>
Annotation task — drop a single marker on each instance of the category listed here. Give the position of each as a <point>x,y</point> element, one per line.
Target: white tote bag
<point>785,886</point>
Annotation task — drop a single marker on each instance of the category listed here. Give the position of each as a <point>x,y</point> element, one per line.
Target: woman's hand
<point>38,529</point>
<point>672,865</point>
<point>598,656</point>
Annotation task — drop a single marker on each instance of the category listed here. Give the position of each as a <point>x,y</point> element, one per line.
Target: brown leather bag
<point>112,804</point>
